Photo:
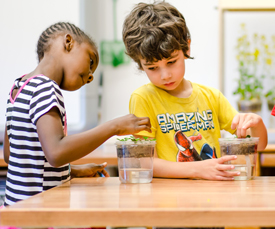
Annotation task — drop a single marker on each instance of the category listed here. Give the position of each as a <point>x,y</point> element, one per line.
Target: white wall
<point>21,24</point>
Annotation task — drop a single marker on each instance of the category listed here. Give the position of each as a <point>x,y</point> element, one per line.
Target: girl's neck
<point>48,67</point>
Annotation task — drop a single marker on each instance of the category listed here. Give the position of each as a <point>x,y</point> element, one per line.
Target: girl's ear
<point>68,42</point>
<point>189,45</point>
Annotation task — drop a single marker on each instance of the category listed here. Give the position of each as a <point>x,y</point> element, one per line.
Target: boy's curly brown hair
<point>154,31</point>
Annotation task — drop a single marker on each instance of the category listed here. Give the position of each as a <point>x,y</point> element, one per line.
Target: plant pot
<point>135,161</point>
<point>246,151</point>
<point>270,104</point>
<point>253,105</point>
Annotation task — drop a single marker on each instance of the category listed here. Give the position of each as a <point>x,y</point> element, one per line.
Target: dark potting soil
<point>238,149</point>
<point>136,151</point>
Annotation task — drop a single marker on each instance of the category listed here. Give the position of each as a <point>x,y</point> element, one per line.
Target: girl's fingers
<point>144,127</point>
<point>143,124</point>
<point>98,166</point>
<point>103,165</point>
<point>105,173</point>
<point>144,121</point>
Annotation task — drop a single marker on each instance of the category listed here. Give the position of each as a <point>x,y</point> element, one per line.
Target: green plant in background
<point>250,86</point>
<point>113,52</point>
<point>269,60</point>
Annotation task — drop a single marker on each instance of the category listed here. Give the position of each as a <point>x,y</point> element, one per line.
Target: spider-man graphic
<point>187,151</point>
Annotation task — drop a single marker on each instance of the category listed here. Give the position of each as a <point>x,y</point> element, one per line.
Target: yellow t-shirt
<point>186,129</point>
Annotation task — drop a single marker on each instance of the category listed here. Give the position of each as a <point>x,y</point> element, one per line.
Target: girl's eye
<point>91,63</point>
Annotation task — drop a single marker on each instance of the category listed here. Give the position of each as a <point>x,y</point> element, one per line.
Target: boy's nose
<point>165,74</point>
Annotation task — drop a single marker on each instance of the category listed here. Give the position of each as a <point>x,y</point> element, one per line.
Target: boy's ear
<point>189,45</point>
<point>68,42</point>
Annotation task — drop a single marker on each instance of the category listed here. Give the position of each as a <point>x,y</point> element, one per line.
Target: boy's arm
<point>250,123</point>
<point>211,169</point>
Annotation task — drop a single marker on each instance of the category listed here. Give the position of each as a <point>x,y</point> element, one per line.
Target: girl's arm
<point>60,149</point>
<point>6,146</point>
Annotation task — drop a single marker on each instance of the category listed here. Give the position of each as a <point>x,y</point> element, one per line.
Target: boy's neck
<point>184,90</point>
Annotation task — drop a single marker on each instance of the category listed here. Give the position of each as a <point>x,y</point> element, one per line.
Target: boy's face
<point>167,74</point>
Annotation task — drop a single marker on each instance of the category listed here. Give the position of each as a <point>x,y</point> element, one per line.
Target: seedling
<point>135,140</point>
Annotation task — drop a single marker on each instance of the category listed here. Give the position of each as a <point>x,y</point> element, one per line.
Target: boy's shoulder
<point>146,89</point>
<point>206,89</point>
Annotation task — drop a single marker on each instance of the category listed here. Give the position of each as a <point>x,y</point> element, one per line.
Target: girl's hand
<point>130,124</point>
<point>243,121</point>
<point>88,170</point>
<point>215,169</point>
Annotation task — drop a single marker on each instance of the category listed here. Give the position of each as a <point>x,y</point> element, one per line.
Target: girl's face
<point>166,74</point>
<point>81,62</point>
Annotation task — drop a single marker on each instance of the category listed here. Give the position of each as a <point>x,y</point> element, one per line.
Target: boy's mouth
<point>168,84</point>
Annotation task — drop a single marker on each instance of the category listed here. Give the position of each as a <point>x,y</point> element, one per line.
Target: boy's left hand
<point>243,121</point>
<point>88,170</point>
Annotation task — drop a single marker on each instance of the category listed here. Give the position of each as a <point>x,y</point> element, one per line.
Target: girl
<point>36,146</point>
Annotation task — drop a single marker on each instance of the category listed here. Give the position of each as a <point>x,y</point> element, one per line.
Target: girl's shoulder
<point>40,79</point>
<point>33,81</point>
<point>42,82</point>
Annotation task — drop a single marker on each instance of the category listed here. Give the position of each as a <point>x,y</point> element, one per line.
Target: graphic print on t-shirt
<point>186,121</point>
<point>183,123</point>
<point>186,150</point>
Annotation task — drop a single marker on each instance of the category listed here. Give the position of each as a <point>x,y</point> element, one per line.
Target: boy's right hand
<point>215,169</point>
<point>130,124</point>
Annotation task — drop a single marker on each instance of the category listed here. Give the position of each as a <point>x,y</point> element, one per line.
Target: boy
<point>186,117</point>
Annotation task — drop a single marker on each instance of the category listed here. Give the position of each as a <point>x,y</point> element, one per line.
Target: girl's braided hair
<point>56,29</point>
<point>154,31</point>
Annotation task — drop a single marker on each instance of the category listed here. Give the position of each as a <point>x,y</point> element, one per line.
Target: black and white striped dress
<point>29,172</point>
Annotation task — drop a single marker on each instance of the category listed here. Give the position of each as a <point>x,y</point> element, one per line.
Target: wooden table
<point>86,202</point>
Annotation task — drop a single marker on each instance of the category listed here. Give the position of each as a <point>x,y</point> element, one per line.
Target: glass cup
<point>135,161</point>
<point>246,151</point>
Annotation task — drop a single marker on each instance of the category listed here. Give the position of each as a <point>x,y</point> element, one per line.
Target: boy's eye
<point>172,62</point>
<point>152,68</point>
